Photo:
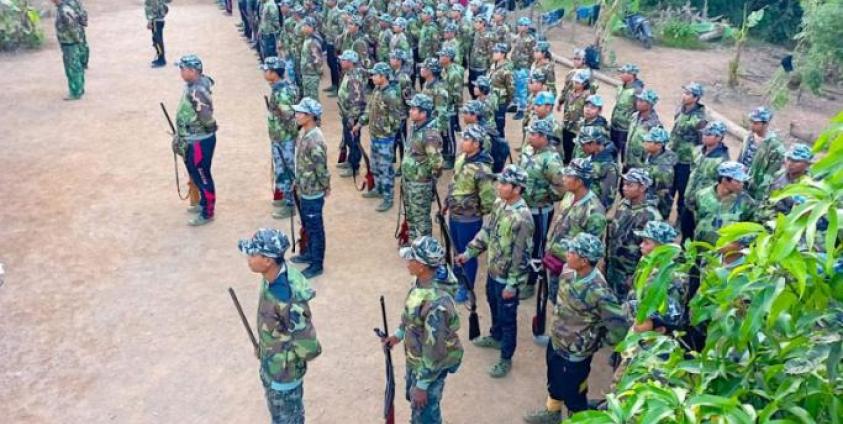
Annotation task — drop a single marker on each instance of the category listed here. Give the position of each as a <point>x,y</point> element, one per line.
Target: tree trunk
<point>735,64</point>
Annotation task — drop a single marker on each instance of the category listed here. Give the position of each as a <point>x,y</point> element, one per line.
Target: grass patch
<point>680,35</point>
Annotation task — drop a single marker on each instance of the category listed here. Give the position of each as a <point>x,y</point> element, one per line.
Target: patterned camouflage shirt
<point>544,176</point>
<point>522,50</point>
<point>685,135</point>
<point>270,22</point>
<point>763,159</point>
<point>281,118</point>
<point>625,105</point>
<point>586,315</point>
<point>572,110</point>
<point>455,44</point>
<point>454,77</point>
<point>472,190</point>
<point>429,40</point>
<point>69,24</point>
<point>638,128</point>
<point>357,42</point>
<point>502,84</point>
<point>622,245</point>
<point>383,111</point>
<point>384,41</point>
<point>574,217</point>
<point>549,70</point>
<point>677,297</point>
<point>312,177</point>
<point>195,116</point>
<point>311,56</point>
<point>712,212</point>
<point>660,168</point>
<point>438,91</point>
<point>507,239</point>
<point>423,155</point>
<point>402,82</point>
<point>605,175</point>
<point>481,51</point>
<point>704,170</point>
<point>333,25</point>
<point>351,96</point>
<point>155,10</point>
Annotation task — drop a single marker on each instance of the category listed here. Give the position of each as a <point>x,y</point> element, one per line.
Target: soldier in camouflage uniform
<point>586,315</point>
<point>450,40</point>
<point>522,57</point>
<point>331,30</point>
<point>592,118</point>
<point>597,147</point>
<point>82,14</point>
<point>290,48</point>
<point>580,67</point>
<point>383,117</point>
<point>384,38</point>
<point>70,31</point>
<point>286,335</point>
<point>311,60</point>
<point>437,90</point>
<point>399,41</point>
<point>355,40</point>
<point>474,112</point>
<point>500,73</point>
<point>352,103</point>
<point>659,162</point>
<point>580,211</point>
<point>429,329</point>
<point>707,158</point>
<point>632,214</point>
<point>542,110</point>
<point>156,11</point>
<point>572,111</point>
<point>453,75</point>
<point>429,35</point>
<point>269,27</point>
<point>479,54</point>
<point>370,25</point>
<point>499,28</point>
<point>644,119</point>
<point>544,187</point>
<point>471,196</point>
<point>195,138</point>
<point>506,237</point>
<point>282,134</point>
<point>685,136</point>
<point>401,78</point>
<point>313,183</point>
<point>762,153</point>
<point>625,105</point>
<point>421,166</point>
<point>797,160</point>
<point>723,203</point>
<point>542,60</point>
<point>535,85</point>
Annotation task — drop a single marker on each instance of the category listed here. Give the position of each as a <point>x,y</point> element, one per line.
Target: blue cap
<point>544,98</point>
<point>309,106</point>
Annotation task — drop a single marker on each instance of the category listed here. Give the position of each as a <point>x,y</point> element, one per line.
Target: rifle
<point>389,393</point>
<point>369,182</point>
<point>540,319</point>
<point>175,160</point>
<point>402,228</point>
<point>302,233</point>
<point>284,164</point>
<point>243,319</point>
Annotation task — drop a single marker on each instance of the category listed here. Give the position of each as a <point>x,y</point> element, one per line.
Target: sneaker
<point>346,173</point>
<point>70,98</point>
<point>312,271</point>
<point>194,209</point>
<point>199,220</point>
<point>543,416</point>
<point>542,340</point>
<point>329,89</point>
<point>332,93</point>
<point>372,195</point>
<point>461,296</point>
<point>343,165</point>
<point>282,212</point>
<point>448,164</point>
<point>300,259</point>
<point>527,292</point>
<point>518,115</point>
<point>384,206</point>
<point>487,342</point>
<point>500,369</point>
<point>511,108</point>
<point>278,203</point>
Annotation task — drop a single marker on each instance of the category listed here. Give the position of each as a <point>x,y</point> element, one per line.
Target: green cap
<point>580,168</point>
<point>638,176</point>
<point>800,152</point>
<point>474,132</point>
<point>657,135</point>
<point>592,133</point>
<point>541,126</point>
<point>649,96</point>
<point>474,107</point>
<point>733,170</point>
<point>273,63</point>
<point>190,61</point>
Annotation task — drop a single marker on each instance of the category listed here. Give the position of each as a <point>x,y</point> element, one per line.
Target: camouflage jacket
<point>677,297</point>
<point>685,135</point>
<point>502,85</point>
<point>402,82</point>
<point>466,37</point>
<point>638,128</point>
<point>763,160</point>
<point>568,84</point>
<point>480,55</point>
<point>704,170</point>
<point>605,176</point>
<point>312,177</point>
<point>599,122</point>
<point>281,119</point>
<point>454,76</point>
<point>286,335</point>
<point>438,91</point>
<point>195,115</point>
<point>507,239</point>
<point>785,205</point>
<point>472,190</point>
<point>288,38</point>
<point>384,41</point>
<point>549,70</point>
<point>155,10</point>
<point>500,33</point>
<point>351,96</point>
<point>712,213</point>
<point>622,245</point>
<point>371,26</point>
<point>270,22</point>
<point>359,43</point>
<point>544,176</point>
<point>430,327</point>
<point>333,25</point>
<point>585,215</point>
<point>429,40</point>
<point>311,56</point>
<point>586,315</point>
<point>423,154</point>
<point>383,111</point>
<point>661,171</point>
<point>572,110</point>
<point>457,46</point>
<point>413,30</point>
<point>522,50</point>
<point>400,41</point>
<point>625,105</point>
<point>69,24</point>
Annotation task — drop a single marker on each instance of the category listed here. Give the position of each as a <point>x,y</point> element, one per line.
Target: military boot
<point>374,194</point>
<point>487,342</point>
<point>500,369</point>
<point>543,416</point>
<point>343,165</point>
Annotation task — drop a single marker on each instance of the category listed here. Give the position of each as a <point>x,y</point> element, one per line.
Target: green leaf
<point>759,307</point>
<point>830,240</point>
<point>782,303</point>
<point>755,18</point>
<point>795,265</point>
<point>656,412</point>
<point>591,417</point>
<point>833,362</point>
<point>802,414</point>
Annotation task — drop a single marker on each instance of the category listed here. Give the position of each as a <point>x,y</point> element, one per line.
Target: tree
<point>749,21</point>
<point>20,26</point>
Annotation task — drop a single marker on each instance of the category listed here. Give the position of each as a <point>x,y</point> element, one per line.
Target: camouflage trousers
<point>431,413</point>
<point>73,56</point>
<point>283,153</point>
<point>417,199</point>
<point>383,154</point>
<point>285,406</point>
<point>310,86</point>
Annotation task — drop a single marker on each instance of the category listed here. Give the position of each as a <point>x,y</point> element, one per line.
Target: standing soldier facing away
<point>282,135</point>
<point>70,31</point>
<point>286,335</point>
<point>155,11</point>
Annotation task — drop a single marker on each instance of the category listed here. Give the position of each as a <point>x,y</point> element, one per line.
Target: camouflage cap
<point>800,152</point>
<point>432,65</point>
<point>428,11</point>
<point>310,21</point>
<point>717,128</point>
<point>500,48</point>
<point>524,21</point>
<point>350,55</point>
<point>659,231</point>
<point>298,9</point>
<point>513,174</point>
<point>267,242</point>
<point>761,114</point>
<point>649,96</point>
<point>410,4</point>
<point>474,107</point>
<point>443,7</point>
<point>579,53</point>
<point>581,76</point>
<point>539,75</point>
<point>733,170</point>
<point>400,22</point>
<point>380,68</point>
<point>356,20</point>
<point>629,68</point>
<point>309,106</point>
<point>273,63</point>
<point>451,27</point>
<point>542,46</point>
<point>480,18</point>
<point>694,88</point>
<point>421,101</point>
<point>398,54</point>
<point>580,168</point>
<point>447,51</point>
<point>591,133</point>
<point>595,100</point>
<point>457,7</point>
<point>385,17</point>
<point>474,132</point>
<point>585,246</point>
<point>190,61</point>
<point>483,81</point>
<point>541,126</point>
<point>544,98</point>
<point>425,250</point>
<point>657,135</point>
<point>638,176</point>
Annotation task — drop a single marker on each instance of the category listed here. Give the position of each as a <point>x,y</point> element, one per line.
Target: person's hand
<point>418,397</point>
<point>356,129</point>
<point>461,259</point>
<point>257,352</point>
<point>390,341</point>
<point>149,25</point>
<point>327,192</point>
<point>559,106</point>
<point>508,293</point>
<point>647,325</point>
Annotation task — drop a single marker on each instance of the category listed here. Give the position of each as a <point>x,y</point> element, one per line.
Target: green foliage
<point>774,319</point>
<point>679,34</point>
<point>20,26</point>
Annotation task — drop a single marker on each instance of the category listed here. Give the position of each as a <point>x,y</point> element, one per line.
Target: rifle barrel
<point>167,115</point>
<point>243,317</point>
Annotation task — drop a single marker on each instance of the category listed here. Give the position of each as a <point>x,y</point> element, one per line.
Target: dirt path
<point>115,311</point>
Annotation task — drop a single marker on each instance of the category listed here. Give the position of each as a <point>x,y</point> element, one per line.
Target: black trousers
<point>568,381</point>
<point>242,6</point>
<point>472,76</point>
<point>619,139</point>
<point>158,40</point>
<point>398,146</point>
<point>333,65</point>
<point>268,46</point>
<point>568,146</point>
<point>681,174</point>
<point>352,142</point>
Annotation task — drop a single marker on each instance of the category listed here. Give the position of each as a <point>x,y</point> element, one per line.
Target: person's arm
<point>433,151</point>
<point>319,157</point>
<point>480,242</point>
<point>612,316</point>
<point>305,345</point>
<point>553,174</point>
<point>204,107</point>
<point>485,191</point>
<point>522,246</point>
